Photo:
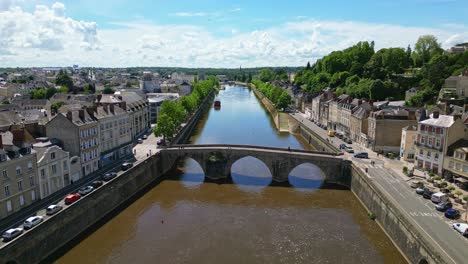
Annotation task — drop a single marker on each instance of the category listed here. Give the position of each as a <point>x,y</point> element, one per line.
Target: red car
<point>72,197</point>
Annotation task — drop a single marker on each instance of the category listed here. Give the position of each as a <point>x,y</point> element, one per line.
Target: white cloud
<point>46,36</point>
<point>190,14</point>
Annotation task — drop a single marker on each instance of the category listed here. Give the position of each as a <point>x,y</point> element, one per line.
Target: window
<point>465,168</point>
<point>5,174</point>
<point>20,185</point>
<point>428,154</point>
<point>441,130</point>
<point>30,166</point>
<point>423,140</point>
<point>451,164</point>
<point>410,155</point>
<point>430,142</point>
<point>54,169</point>
<point>18,170</point>
<point>436,156</point>
<point>33,195</point>
<point>21,200</point>
<point>52,155</point>
<point>31,181</point>
<point>9,207</point>
<point>437,142</point>
<point>42,174</point>
<point>65,165</point>
<point>7,190</point>
<point>457,166</point>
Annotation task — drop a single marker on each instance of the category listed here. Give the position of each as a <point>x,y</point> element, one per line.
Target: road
<point>39,208</point>
<point>395,185</point>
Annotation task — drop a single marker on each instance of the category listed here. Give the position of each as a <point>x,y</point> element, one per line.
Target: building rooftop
<point>441,121</point>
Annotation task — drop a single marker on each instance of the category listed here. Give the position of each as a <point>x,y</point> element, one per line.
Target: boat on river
<point>217,104</point>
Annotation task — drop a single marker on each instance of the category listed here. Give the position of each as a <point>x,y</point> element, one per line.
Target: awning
<point>460,179</point>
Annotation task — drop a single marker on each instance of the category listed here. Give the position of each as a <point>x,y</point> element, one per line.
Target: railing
<point>427,146</point>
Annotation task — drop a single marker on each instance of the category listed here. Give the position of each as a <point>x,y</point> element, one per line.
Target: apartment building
<point>18,169</point>
<point>456,162</point>
<point>408,138</point>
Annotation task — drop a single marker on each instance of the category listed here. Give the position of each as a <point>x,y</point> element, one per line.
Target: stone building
<point>456,162</point>
<point>407,147</point>
<point>334,108</point>
<point>359,124</point>
<point>18,169</point>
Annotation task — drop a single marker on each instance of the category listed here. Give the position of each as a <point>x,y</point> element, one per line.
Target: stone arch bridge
<point>216,161</point>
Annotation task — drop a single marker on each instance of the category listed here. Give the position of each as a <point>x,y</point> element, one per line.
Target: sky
<point>214,33</point>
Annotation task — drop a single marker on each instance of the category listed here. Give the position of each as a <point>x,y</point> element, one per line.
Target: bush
<point>451,188</point>
<point>465,197</point>
<point>443,183</point>
<point>458,192</point>
<point>431,174</point>
<point>405,170</point>
<point>437,178</point>
<point>371,216</point>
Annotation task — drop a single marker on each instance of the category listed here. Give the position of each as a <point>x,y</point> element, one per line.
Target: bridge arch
<point>306,175</point>
<point>250,170</point>
<point>192,172</point>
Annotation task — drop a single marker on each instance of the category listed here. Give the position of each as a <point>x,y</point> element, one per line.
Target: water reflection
<point>190,173</point>
<point>250,171</point>
<point>306,176</point>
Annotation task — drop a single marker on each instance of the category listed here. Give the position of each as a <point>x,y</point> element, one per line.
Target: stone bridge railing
<point>216,161</point>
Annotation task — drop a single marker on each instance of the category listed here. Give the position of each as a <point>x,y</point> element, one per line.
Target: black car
<point>361,155</point>
<point>347,140</point>
<point>161,142</point>
<point>96,184</point>
<point>342,146</point>
<point>109,176</point>
<point>127,165</point>
<point>427,193</point>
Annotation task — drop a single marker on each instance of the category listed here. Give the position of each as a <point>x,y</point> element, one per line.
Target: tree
<point>174,110</point>
<point>266,75</point>
<point>425,48</point>
<point>55,106</point>
<point>283,101</point>
<point>50,92</point>
<point>108,90</point>
<point>63,79</point>
<point>308,65</point>
<point>165,127</point>
<point>38,94</point>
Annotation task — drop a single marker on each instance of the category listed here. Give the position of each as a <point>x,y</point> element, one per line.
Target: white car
<point>52,209</point>
<point>11,234</point>
<point>461,228</point>
<point>32,221</point>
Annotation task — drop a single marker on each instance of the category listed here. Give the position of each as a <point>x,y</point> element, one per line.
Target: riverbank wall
<point>414,245</point>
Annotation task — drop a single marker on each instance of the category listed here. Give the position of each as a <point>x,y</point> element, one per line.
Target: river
<point>183,220</point>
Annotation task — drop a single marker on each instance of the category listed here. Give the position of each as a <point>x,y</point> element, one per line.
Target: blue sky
<point>209,33</point>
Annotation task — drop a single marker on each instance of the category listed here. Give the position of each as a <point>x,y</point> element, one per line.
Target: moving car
<point>331,133</point>
<point>361,155</point>
<point>349,149</point>
<point>452,213</point>
<point>145,137</point>
<point>71,198</point>
<point>109,176</point>
<point>420,190</point>
<point>32,221</point>
<point>140,141</point>
<point>443,206</point>
<point>461,228</point>
<point>416,184</point>
<point>96,184</point>
<point>127,165</point>
<point>11,234</point>
<point>85,190</point>
<point>52,209</point>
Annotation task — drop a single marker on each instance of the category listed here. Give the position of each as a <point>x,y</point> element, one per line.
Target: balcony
<point>431,147</point>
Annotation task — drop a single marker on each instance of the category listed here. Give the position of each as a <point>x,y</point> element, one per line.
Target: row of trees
<point>172,114</point>
<point>361,72</point>
<point>277,96</point>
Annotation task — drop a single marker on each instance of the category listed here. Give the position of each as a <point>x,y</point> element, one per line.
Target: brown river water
<point>184,220</point>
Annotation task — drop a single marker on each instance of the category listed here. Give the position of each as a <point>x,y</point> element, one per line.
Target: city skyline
<point>213,34</point>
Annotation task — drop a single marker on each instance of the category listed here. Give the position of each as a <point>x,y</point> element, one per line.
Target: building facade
<point>407,147</point>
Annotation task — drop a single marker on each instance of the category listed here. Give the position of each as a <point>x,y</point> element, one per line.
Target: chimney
<point>1,142</point>
<point>69,115</point>
<point>99,97</point>
<point>456,117</point>
<point>81,113</point>
<point>91,110</point>
<point>111,108</point>
<point>18,135</point>
<point>435,114</point>
<point>123,105</point>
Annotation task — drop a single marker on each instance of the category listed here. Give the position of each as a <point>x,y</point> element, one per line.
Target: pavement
<point>387,174</point>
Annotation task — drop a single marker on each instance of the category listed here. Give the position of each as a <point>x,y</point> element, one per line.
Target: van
<point>331,133</point>
<point>439,197</point>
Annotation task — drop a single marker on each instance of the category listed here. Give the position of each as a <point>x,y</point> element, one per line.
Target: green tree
<point>55,106</point>
<point>165,127</point>
<point>50,92</point>
<point>283,101</point>
<point>174,110</point>
<point>38,94</point>
<point>425,48</point>
<point>266,75</point>
<point>108,90</point>
<point>63,79</point>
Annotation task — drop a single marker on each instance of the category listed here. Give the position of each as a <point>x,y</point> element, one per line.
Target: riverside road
<point>422,212</point>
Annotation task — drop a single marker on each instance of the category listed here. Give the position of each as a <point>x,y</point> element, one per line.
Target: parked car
<point>32,221</point>
<point>161,142</point>
<point>361,155</point>
<point>72,197</point>
<point>85,190</point>
<point>140,141</point>
<point>347,140</point>
<point>109,176</point>
<point>452,213</point>
<point>11,234</point>
<point>96,184</point>
<point>420,190</point>
<point>325,127</point>
<point>338,135</point>
<point>427,194</point>
<point>416,184</point>
<point>461,228</point>
<point>144,137</point>
<point>342,146</point>
<point>52,209</point>
<point>443,206</point>
<point>331,133</point>
<point>127,165</point>
<point>349,149</point>
<point>439,197</point>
